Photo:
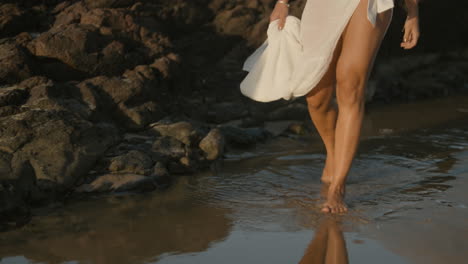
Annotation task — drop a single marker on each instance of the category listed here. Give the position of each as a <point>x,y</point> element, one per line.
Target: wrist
<point>283,2</point>
<point>412,8</point>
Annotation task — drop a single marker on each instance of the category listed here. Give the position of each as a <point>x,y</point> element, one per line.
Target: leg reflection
<point>328,245</point>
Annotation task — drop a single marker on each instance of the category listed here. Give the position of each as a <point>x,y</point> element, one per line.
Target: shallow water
<point>406,191</point>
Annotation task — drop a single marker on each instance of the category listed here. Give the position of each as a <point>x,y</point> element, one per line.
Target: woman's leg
<point>361,42</point>
<point>323,112</point>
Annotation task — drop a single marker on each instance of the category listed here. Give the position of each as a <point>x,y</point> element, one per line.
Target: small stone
<point>160,170</point>
<point>182,131</point>
<point>213,144</point>
<point>134,161</point>
<point>170,147</point>
<point>297,128</point>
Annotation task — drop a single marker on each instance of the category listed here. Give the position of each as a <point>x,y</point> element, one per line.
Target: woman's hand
<point>411,28</point>
<point>279,12</point>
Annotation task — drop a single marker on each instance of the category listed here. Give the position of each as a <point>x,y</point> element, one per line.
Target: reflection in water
<point>119,230</point>
<point>328,245</point>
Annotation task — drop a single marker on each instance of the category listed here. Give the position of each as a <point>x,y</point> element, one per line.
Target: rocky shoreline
<point>120,95</point>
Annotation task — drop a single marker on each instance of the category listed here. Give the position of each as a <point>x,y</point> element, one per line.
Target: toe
<point>326,209</point>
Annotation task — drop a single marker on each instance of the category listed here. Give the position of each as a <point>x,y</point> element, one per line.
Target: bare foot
<point>326,175</point>
<point>335,203</point>
<point>324,191</point>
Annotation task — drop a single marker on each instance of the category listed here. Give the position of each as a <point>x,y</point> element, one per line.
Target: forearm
<point>412,7</point>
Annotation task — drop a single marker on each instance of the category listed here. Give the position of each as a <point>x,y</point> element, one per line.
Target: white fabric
<point>292,61</point>
<point>271,65</point>
<point>377,6</point>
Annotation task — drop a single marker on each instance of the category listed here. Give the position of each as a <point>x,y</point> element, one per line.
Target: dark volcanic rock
<point>16,63</point>
<point>169,147</point>
<point>85,50</point>
<point>135,162</point>
<point>61,147</point>
<point>14,19</point>
<point>44,153</point>
<point>213,144</point>
<point>243,137</point>
<point>131,103</point>
<point>108,3</point>
<point>182,131</point>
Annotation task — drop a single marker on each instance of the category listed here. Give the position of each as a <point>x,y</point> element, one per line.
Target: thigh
<point>324,89</point>
<point>361,42</point>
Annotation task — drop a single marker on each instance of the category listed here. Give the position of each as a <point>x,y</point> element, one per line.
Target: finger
<point>412,43</point>
<point>406,35</point>
<point>281,23</point>
<point>273,17</point>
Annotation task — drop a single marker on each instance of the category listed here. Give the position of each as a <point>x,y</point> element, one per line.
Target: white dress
<point>292,61</point>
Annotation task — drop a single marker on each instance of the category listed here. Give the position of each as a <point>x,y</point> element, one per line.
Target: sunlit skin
<point>339,125</point>
<point>328,245</point>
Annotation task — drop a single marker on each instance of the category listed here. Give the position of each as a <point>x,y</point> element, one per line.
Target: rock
<point>183,166</point>
<point>60,97</point>
<point>298,128</point>
<point>14,20</point>
<point>11,99</point>
<point>60,146</point>
<point>15,63</point>
<point>160,170</point>
<point>243,137</point>
<point>182,131</point>
<point>292,111</point>
<point>169,147</point>
<point>167,65</point>
<point>134,162</point>
<point>129,102</point>
<point>108,3</point>
<point>119,183</point>
<point>86,51</point>
<point>226,111</point>
<point>70,13</point>
<point>13,96</point>
<point>17,182</point>
<point>213,144</point>
<point>236,21</point>
<point>276,128</point>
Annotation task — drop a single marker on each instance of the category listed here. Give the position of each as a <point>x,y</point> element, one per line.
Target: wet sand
<point>406,191</point>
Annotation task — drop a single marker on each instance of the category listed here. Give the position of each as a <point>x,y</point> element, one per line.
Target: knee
<point>320,102</point>
<point>350,90</point>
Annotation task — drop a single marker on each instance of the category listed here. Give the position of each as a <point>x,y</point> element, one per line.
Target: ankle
<point>337,188</point>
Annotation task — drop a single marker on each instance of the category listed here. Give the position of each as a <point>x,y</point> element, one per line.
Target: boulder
<point>86,51</point>
<point>60,146</point>
<point>131,103</point>
<point>213,144</point>
<point>181,131</point>
<point>108,3</point>
<point>169,147</point>
<point>14,20</point>
<point>16,63</point>
<point>243,137</point>
<point>134,162</point>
